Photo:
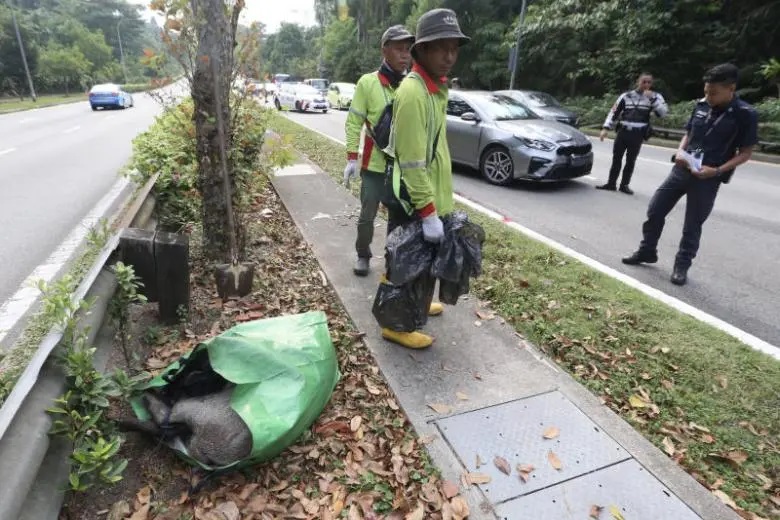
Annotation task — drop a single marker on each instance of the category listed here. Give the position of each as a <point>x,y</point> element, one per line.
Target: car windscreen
<point>104,89</point>
<point>306,90</point>
<point>320,84</point>
<point>347,89</point>
<point>502,108</point>
<point>540,99</point>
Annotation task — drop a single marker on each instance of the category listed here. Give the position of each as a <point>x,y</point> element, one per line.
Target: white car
<point>300,97</point>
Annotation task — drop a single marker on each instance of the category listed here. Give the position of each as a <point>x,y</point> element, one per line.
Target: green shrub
<point>168,147</point>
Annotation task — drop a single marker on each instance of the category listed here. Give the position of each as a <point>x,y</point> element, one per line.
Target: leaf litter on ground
<point>361,457</point>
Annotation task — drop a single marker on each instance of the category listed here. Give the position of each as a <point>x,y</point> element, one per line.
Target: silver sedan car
<point>505,141</point>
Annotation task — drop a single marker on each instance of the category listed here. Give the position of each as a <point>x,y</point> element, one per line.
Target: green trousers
<point>372,185</point>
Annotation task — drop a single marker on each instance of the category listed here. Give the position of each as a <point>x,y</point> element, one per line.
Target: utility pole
<point>24,56</point>
<point>517,47</point>
<point>121,50</point>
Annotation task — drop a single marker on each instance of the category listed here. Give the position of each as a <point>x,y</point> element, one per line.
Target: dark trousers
<point>372,187</point>
<point>700,198</point>
<point>628,141</point>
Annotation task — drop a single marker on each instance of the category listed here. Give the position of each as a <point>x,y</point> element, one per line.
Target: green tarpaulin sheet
<point>285,370</point>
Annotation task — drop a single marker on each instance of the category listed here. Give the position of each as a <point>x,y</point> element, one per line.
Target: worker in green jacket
<point>374,92</point>
<point>422,174</point>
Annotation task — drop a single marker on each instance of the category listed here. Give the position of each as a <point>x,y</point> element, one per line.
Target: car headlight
<point>536,144</point>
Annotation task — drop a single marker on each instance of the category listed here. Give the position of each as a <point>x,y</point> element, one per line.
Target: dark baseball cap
<point>723,73</point>
<point>397,33</point>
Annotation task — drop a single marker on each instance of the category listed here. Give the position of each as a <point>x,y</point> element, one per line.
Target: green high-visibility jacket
<point>372,94</point>
<point>419,116</point>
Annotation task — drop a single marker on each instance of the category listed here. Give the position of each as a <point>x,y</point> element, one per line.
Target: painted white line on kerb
<point>25,297</point>
<point>679,305</point>
<point>745,337</point>
<point>7,150</point>
<point>71,130</point>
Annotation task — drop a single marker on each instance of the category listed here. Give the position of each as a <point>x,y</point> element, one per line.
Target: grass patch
<point>14,105</point>
<point>708,401</point>
<point>14,360</point>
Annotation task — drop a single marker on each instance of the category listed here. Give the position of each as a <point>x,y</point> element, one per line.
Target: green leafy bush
<point>168,147</point>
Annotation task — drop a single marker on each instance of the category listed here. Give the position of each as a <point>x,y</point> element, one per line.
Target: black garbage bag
<point>404,308</point>
<point>459,257</point>
<point>408,254</point>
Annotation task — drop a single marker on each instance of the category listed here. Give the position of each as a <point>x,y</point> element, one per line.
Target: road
<point>56,163</point>
<point>732,276</point>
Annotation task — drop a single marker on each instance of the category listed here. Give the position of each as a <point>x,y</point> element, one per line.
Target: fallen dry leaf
<point>427,439</point>
<point>615,512</point>
<point>555,462</point>
<point>478,463</point>
<point>477,478</point>
<point>722,381</point>
<point>449,488</point>
<point>229,510</point>
<point>525,470</point>
<point>637,401</point>
<point>667,384</point>
<point>461,396</point>
<point>485,316</point>
<point>459,508</point>
<point>668,446</point>
<point>595,511</point>
<point>417,514</point>
<point>734,458</point>
<point>144,495</point>
<point>119,510</point>
<point>502,465</point>
<point>141,514</point>
<point>551,433</point>
<point>725,498</point>
<point>707,438</point>
<point>355,423</point>
<point>442,409</point>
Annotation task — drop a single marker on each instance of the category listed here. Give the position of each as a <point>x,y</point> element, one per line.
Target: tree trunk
<point>213,65</point>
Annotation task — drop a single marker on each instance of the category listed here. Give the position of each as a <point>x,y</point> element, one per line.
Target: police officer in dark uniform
<point>722,131</point>
<point>632,113</point>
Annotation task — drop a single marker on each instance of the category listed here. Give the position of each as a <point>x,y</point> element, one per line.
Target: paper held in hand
<point>693,160</point>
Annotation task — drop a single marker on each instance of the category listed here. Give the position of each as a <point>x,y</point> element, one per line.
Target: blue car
<point>109,95</point>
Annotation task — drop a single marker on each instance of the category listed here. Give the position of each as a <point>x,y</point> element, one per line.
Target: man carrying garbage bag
<point>422,169</point>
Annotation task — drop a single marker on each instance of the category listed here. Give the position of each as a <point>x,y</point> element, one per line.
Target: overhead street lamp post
<point>121,49</point>
<point>517,47</point>
<point>24,56</point>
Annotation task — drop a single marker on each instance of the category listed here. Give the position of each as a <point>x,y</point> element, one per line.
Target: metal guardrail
<point>24,423</point>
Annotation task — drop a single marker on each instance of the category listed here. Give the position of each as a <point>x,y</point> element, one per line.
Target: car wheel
<point>94,108</point>
<point>497,166</point>
<point>325,111</point>
<point>278,105</point>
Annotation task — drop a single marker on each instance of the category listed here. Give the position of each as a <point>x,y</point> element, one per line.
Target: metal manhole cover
<point>627,487</point>
<point>514,431</point>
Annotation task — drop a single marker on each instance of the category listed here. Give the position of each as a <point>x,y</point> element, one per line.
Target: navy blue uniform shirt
<point>719,133</point>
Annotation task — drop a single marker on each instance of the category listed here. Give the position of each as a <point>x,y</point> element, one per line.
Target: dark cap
<point>723,73</point>
<point>439,24</point>
<point>397,33</point>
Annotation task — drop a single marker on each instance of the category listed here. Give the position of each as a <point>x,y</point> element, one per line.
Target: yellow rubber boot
<point>436,309</point>
<point>414,340</point>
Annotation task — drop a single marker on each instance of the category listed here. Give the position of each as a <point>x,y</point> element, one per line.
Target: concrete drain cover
<point>627,487</point>
<point>515,430</point>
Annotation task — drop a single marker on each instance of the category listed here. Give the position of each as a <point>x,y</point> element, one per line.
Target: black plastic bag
<point>408,255</point>
<point>458,258</point>
<point>404,308</point>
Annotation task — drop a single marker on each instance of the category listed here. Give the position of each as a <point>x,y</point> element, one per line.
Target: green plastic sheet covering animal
<point>284,371</point>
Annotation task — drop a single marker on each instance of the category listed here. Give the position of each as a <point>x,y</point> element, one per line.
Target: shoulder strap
<point>432,143</point>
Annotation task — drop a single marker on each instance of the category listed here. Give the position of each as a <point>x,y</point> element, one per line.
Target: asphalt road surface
<point>56,163</point>
<point>734,276</point>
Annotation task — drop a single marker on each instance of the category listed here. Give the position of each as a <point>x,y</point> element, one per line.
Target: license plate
<point>578,160</point>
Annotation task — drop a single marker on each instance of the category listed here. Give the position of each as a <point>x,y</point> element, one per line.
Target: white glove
<point>350,171</point>
<point>433,228</point>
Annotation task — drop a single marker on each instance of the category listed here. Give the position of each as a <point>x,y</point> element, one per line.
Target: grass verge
<point>709,402</point>
<point>15,105</point>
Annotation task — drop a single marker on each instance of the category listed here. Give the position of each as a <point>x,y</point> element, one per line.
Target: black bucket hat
<point>396,33</point>
<point>439,24</point>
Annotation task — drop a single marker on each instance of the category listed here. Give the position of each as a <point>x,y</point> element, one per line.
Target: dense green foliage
<point>570,48</point>
<point>72,44</point>
<point>168,148</point>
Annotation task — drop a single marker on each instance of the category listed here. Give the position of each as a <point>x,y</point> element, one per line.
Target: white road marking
<point>71,130</point>
<point>7,150</point>
<point>25,297</point>
<point>745,337</point>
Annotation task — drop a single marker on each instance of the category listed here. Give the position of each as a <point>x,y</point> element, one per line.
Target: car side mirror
<point>470,116</point>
